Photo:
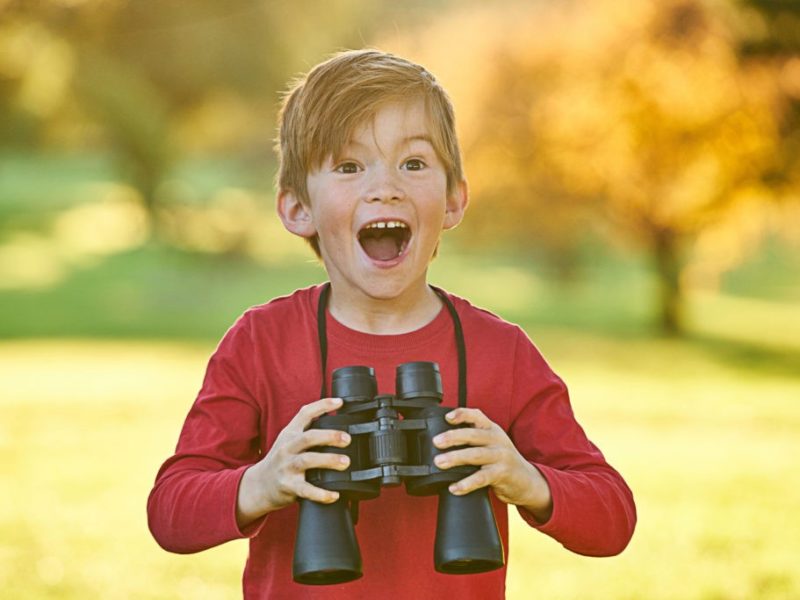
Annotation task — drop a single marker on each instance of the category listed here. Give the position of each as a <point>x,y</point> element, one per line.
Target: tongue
<point>380,247</point>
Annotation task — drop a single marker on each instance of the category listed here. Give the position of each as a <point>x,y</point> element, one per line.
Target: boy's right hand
<point>279,478</point>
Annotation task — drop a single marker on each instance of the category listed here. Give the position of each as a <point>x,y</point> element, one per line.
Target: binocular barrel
<point>326,548</point>
<point>354,385</point>
<point>392,441</point>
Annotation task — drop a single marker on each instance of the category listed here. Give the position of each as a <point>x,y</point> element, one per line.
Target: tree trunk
<point>146,178</point>
<point>668,269</point>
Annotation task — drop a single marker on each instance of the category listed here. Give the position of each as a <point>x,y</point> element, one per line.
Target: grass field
<point>99,366</point>
<point>708,441</point>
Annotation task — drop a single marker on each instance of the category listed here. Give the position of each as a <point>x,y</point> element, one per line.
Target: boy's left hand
<point>513,479</point>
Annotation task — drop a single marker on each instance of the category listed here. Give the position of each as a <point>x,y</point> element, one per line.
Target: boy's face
<point>380,207</point>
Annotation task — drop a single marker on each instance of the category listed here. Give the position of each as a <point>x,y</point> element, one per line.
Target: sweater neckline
<point>388,343</point>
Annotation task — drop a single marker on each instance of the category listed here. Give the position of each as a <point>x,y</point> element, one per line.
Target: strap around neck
<point>461,348</point>
<point>322,335</point>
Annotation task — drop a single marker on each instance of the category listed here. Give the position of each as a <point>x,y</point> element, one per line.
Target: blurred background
<point>635,206</point>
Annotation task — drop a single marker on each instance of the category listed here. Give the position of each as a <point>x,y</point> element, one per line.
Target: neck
<point>381,316</point>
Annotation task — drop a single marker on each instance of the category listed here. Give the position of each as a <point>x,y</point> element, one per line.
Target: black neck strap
<point>459,333</point>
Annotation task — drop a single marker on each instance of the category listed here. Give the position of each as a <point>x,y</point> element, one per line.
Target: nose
<point>385,185</point>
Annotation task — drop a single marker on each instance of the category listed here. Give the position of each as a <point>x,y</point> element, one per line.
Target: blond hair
<point>321,111</point>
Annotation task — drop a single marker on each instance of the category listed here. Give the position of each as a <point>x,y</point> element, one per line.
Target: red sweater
<point>268,365</point>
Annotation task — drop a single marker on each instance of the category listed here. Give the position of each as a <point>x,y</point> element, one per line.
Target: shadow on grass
<point>749,356</point>
<point>153,293</point>
<point>162,293</point>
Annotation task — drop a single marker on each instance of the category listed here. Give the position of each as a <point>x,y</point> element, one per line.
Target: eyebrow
<point>421,137</point>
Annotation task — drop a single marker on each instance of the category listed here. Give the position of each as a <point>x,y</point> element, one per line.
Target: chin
<point>388,290</point>
<point>384,292</point>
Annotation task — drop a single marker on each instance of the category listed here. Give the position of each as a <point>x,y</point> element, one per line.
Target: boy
<point>370,175</point>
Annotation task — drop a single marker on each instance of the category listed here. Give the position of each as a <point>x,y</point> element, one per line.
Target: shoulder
<point>484,323</point>
<point>491,333</point>
<point>504,364</point>
<point>278,319</point>
<point>300,304</point>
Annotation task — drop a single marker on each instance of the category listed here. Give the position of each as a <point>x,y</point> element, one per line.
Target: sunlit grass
<point>750,320</point>
<point>708,444</point>
<point>709,448</point>
<point>84,427</point>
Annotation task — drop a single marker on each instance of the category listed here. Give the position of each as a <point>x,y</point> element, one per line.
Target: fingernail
<point>438,439</point>
<point>450,416</point>
<point>455,488</point>
<point>336,401</point>
<point>344,459</point>
<point>441,462</point>
<point>345,438</point>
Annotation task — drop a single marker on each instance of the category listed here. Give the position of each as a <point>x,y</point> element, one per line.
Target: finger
<point>312,492</point>
<point>464,436</point>
<point>467,456</point>
<point>311,411</point>
<point>477,480</point>
<point>320,460</point>
<point>319,437</point>
<point>473,416</point>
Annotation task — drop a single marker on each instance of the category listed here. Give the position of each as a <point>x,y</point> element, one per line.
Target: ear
<point>295,215</point>
<point>456,206</point>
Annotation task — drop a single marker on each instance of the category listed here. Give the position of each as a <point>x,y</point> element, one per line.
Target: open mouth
<point>384,240</point>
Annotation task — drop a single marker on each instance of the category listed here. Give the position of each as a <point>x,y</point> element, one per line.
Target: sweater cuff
<point>251,529</point>
<point>553,524</point>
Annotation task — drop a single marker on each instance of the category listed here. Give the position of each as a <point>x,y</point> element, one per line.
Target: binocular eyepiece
<point>392,443</point>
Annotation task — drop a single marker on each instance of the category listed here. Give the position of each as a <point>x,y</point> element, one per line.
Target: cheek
<point>431,187</point>
<point>334,226</point>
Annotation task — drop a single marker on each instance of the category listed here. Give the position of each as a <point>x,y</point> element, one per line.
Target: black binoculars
<point>392,442</point>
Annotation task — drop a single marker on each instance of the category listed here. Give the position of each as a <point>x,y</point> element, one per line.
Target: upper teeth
<point>385,225</point>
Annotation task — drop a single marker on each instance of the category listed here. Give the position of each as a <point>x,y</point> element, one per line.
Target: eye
<point>414,164</point>
<point>347,168</point>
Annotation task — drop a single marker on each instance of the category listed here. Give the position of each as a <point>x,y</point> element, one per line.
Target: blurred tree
<point>774,45</point>
<point>521,199</point>
<point>162,77</point>
<point>135,118</point>
<point>642,117</point>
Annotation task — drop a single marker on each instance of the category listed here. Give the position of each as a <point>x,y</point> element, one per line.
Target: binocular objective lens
<point>354,384</point>
<point>416,379</point>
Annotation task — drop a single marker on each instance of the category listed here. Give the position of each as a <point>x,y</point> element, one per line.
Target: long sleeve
<point>193,503</point>
<point>593,509</point>
<point>267,366</point>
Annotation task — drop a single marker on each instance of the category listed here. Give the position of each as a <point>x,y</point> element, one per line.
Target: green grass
<point>150,292</point>
<point>705,429</point>
<point>709,447</point>
<point>84,427</point>
<point>155,291</point>
<point>100,366</point>
<point>37,187</point>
